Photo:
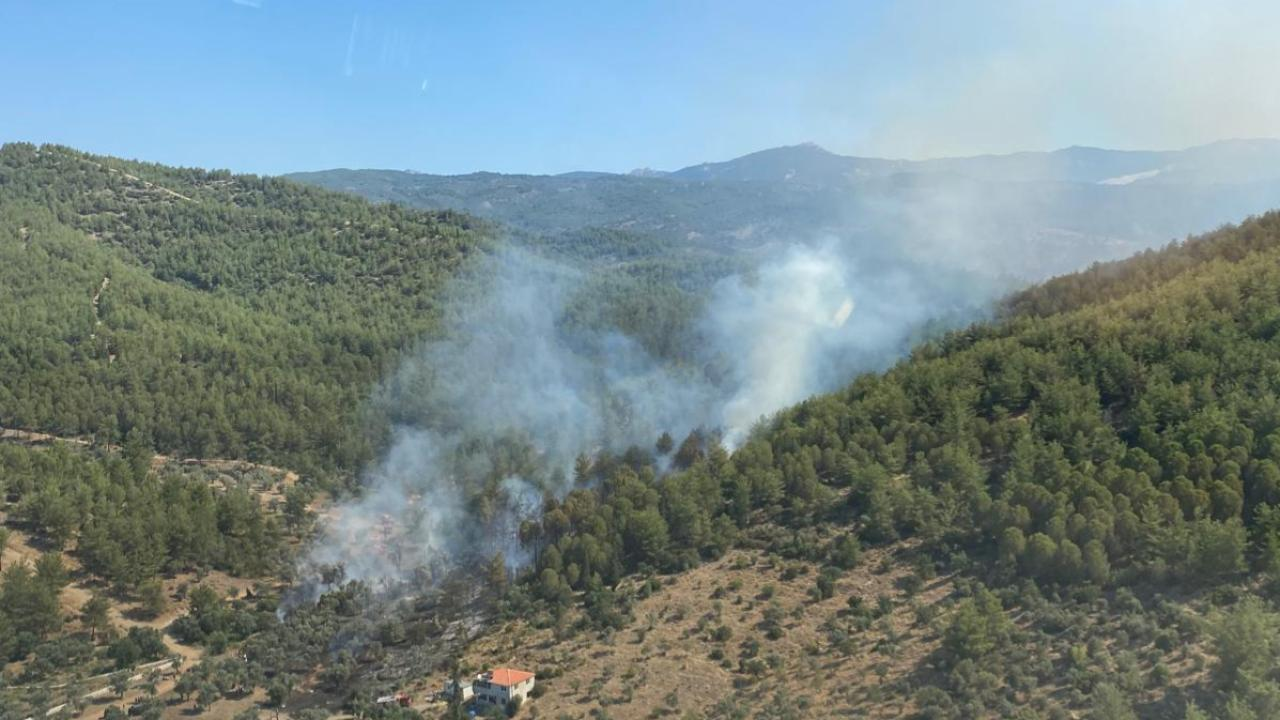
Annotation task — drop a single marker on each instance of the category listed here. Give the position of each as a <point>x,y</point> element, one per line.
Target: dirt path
<point>141,670</point>
<point>19,549</point>
<point>75,594</point>
<point>97,296</point>
<point>31,437</point>
<point>287,477</point>
<point>152,186</point>
<point>166,668</point>
<point>149,185</point>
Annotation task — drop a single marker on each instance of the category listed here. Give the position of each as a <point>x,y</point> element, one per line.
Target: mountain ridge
<point>1083,160</point>
<point>812,150</point>
<point>1025,215</point>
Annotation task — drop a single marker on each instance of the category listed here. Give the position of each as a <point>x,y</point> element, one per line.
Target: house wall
<point>522,689</point>
<point>488,693</point>
<point>499,695</point>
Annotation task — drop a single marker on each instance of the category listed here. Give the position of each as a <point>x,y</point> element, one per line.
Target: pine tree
<point>95,615</point>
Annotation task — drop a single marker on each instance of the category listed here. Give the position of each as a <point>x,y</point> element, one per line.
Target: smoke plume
<point>813,318</point>
<point>491,417</point>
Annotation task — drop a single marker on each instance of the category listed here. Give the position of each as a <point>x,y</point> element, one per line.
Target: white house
<point>502,685</point>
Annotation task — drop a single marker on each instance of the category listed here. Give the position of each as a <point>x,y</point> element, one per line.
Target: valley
<point>1060,506</point>
<point>926,366</point>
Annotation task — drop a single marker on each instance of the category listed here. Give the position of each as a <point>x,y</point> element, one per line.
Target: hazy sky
<point>532,86</point>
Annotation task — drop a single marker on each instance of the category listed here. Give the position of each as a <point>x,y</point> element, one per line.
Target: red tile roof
<point>506,677</point>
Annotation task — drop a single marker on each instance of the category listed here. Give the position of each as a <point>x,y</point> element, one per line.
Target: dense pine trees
<point>1115,429</point>
<point>130,526</point>
<point>220,315</point>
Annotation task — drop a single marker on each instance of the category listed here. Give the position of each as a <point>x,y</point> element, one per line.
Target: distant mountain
<point>1229,161</point>
<point>800,164</point>
<point>721,215</point>
<point>1028,215</point>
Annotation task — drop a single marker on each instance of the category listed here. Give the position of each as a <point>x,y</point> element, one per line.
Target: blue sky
<point>280,85</point>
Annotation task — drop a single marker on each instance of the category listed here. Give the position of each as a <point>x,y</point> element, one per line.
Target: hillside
<point>116,566</point>
<point>1069,511</point>
<point>1061,514</point>
<point>213,314</point>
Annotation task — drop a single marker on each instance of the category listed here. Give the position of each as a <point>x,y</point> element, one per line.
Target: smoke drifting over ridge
<point>492,417</point>
<point>811,319</point>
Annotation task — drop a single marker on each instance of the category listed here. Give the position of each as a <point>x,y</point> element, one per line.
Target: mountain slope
<point>216,314</point>
<point>1086,502</point>
<point>806,164</point>
<point>1069,511</point>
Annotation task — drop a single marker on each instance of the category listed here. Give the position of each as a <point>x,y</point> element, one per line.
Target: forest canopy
<point>218,314</point>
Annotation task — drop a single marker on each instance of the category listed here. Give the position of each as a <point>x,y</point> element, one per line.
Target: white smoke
<point>815,317</point>
<point>777,326</point>
<point>408,515</point>
<point>490,418</point>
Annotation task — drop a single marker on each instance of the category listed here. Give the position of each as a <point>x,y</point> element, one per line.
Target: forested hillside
<point>1071,511</point>
<point>214,314</point>
<point>1101,487</point>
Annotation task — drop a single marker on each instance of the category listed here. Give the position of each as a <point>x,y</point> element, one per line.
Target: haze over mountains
<point>1227,161</point>
<point>1025,216</point>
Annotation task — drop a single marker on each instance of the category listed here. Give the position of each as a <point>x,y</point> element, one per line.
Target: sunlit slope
<point>1086,501</point>
<point>218,314</point>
